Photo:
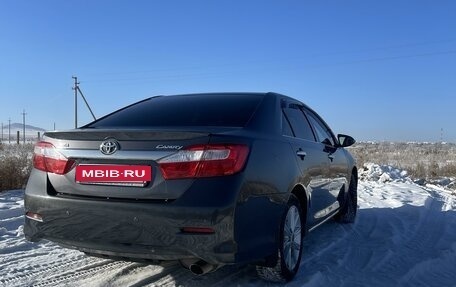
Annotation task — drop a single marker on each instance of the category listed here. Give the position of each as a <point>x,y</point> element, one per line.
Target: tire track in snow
<point>43,269</point>
<point>413,233</point>
<point>82,272</point>
<point>438,232</point>
<point>428,230</point>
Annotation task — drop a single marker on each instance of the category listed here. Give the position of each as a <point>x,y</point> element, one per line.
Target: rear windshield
<point>186,110</point>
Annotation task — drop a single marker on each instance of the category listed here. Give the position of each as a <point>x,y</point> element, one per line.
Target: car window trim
<point>321,122</point>
<point>284,115</point>
<point>287,103</point>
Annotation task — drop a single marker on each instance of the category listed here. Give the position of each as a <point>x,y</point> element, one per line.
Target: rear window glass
<point>186,110</point>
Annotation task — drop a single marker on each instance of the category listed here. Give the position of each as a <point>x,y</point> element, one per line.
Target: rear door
<point>337,159</point>
<point>311,157</point>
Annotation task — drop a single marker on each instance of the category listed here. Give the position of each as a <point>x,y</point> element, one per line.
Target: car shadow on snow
<point>404,246</point>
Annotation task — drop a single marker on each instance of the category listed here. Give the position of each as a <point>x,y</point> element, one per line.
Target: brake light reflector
<point>204,161</point>
<point>201,230</point>
<point>47,158</point>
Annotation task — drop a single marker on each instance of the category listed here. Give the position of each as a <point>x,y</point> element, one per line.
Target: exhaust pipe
<point>202,267</point>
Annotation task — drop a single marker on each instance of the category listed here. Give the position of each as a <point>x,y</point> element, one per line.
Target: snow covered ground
<point>405,235</point>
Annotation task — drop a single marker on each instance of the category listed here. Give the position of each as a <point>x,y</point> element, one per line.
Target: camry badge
<point>164,146</point>
<point>109,146</point>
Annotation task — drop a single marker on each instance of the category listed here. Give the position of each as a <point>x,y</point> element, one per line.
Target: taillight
<point>204,161</point>
<point>47,158</point>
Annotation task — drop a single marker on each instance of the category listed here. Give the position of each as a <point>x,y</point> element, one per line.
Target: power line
<point>249,70</point>
<point>380,59</point>
<point>87,104</point>
<point>390,47</point>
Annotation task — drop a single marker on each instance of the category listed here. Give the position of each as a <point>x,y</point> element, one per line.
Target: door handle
<point>302,154</point>
<point>331,157</point>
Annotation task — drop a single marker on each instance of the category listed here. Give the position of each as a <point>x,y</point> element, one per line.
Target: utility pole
<point>23,124</point>
<point>9,130</point>
<point>75,88</point>
<point>2,133</point>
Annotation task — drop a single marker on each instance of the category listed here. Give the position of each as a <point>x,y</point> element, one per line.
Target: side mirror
<point>345,140</point>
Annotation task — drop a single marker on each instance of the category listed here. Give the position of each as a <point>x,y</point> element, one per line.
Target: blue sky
<point>378,70</point>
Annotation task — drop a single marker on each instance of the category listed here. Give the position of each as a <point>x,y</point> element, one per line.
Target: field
<point>425,161</point>
<point>15,165</point>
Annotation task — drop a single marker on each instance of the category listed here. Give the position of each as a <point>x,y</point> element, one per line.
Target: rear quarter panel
<point>270,175</point>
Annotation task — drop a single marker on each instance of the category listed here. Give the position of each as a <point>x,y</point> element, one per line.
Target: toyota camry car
<point>206,179</point>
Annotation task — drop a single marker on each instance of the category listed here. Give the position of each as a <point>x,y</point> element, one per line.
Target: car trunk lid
<point>134,151</point>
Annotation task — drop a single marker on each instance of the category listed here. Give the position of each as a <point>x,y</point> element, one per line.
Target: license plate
<point>92,173</point>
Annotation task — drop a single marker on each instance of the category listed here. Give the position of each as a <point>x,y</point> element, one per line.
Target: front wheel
<point>290,246</point>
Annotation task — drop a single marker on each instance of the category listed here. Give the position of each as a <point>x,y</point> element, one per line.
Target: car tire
<point>290,245</point>
<point>349,206</point>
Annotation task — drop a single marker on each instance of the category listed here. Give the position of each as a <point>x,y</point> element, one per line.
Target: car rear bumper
<point>133,229</point>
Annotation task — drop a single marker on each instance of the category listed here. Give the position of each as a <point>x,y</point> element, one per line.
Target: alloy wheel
<point>292,238</point>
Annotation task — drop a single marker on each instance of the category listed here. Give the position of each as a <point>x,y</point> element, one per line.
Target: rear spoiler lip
<point>180,133</point>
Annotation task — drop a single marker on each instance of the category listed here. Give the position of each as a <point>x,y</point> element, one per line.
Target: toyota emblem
<point>109,146</point>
